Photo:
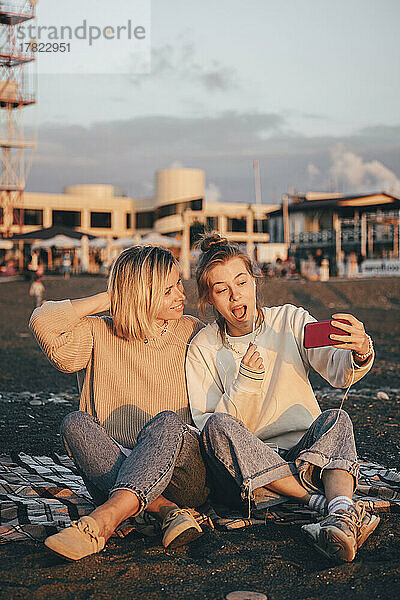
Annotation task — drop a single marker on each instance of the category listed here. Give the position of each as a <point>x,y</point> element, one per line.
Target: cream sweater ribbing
<point>125,383</point>
<point>279,405</point>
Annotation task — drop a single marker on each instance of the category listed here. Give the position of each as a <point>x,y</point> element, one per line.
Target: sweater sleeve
<point>333,364</point>
<point>207,393</point>
<point>64,337</point>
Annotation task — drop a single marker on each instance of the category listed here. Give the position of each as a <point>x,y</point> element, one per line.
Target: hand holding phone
<point>316,335</point>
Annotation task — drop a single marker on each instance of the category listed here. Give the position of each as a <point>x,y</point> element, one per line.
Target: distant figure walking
<point>352,266</point>
<point>37,290</point>
<point>33,266</point>
<point>66,265</point>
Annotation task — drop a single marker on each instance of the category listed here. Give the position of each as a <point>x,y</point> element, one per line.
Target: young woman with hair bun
<point>262,428</point>
<point>131,438</point>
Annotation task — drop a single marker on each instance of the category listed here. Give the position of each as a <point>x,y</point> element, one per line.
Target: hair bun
<point>211,240</point>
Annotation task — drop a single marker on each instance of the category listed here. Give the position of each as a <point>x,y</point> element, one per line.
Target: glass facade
<point>100,219</point>
<point>144,220</point>
<point>236,225</point>
<point>67,218</point>
<point>260,226</point>
<point>27,216</point>
<point>177,208</point>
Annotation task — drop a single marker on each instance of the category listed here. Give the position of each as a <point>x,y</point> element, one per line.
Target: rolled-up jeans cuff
<point>270,475</point>
<point>308,459</point>
<point>143,502</point>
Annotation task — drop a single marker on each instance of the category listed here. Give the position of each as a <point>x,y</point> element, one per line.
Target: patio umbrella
<point>124,242</point>
<point>98,243</point>
<point>156,239</point>
<point>58,241</point>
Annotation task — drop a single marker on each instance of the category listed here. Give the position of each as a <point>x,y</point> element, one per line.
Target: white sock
<point>319,503</point>
<point>339,503</point>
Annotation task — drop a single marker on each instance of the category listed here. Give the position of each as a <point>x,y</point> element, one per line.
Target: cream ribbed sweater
<point>125,383</point>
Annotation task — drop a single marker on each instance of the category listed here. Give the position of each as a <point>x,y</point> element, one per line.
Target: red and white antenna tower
<point>17,90</point>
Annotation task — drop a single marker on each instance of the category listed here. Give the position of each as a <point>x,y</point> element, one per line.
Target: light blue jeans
<point>166,460</point>
<point>240,463</point>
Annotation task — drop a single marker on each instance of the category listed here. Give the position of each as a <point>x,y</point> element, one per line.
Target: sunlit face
<point>233,294</point>
<point>174,297</point>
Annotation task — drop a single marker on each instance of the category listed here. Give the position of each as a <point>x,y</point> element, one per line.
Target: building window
<point>67,218</point>
<point>144,220</point>
<point>177,208</point>
<point>128,221</point>
<point>212,223</point>
<point>27,216</point>
<point>237,225</point>
<point>17,216</point>
<point>100,219</point>
<point>196,204</point>
<point>167,210</point>
<point>33,216</point>
<point>260,226</point>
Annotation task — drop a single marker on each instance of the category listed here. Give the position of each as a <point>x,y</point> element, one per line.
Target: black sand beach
<point>273,559</point>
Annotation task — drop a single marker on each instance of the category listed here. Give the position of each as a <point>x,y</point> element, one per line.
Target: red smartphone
<point>316,335</point>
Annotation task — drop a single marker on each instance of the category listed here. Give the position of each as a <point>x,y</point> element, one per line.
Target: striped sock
<point>318,503</point>
<point>339,503</point>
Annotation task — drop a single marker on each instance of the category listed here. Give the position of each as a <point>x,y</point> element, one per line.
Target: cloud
<point>312,171</point>
<point>180,64</point>
<point>351,169</point>
<point>212,192</point>
<point>176,164</point>
<point>219,79</point>
<point>127,154</point>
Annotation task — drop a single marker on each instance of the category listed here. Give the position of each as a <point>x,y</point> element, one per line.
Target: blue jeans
<point>240,463</point>
<point>166,460</point>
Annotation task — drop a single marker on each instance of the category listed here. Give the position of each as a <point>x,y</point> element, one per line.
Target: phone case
<point>316,335</point>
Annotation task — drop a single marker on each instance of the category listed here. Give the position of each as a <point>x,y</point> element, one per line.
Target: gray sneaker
<point>340,534</point>
<point>180,527</point>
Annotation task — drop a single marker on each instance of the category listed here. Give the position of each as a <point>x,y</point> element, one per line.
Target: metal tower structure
<point>17,90</point>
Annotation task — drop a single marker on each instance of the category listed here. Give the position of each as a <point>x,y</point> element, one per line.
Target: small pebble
<point>246,595</point>
<point>382,396</point>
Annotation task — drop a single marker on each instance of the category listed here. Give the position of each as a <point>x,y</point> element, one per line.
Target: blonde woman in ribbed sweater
<point>131,438</point>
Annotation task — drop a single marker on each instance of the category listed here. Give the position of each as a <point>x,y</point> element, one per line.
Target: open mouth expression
<point>232,293</point>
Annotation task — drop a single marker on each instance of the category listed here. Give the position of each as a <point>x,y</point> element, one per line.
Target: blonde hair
<point>216,250</point>
<point>136,285</point>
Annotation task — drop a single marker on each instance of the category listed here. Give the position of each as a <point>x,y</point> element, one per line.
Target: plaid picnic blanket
<point>39,495</point>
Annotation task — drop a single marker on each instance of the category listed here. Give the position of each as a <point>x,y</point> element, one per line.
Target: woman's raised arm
<point>63,332</point>
<point>92,304</point>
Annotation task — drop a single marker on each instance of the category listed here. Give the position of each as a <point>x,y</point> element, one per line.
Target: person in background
<point>33,265</point>
<point>66,265</point>
<point>37,290</point>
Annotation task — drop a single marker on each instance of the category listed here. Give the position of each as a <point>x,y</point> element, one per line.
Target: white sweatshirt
<point>278,405</point>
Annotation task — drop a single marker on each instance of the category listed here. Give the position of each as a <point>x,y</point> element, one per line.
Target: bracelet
<point>368,353</point>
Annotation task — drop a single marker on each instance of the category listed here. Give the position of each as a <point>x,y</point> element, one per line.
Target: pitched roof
<point>49,232</point>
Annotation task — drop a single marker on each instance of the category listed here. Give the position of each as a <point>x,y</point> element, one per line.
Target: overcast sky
<point>311,88</point>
